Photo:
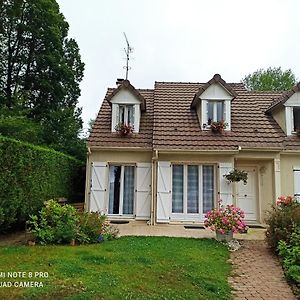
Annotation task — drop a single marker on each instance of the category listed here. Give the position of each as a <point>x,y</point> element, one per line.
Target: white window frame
<point>296,194</point>
<point>215,110</point>
<point>121,191</point>
<point>185,215</point>
<point>226,112</point>
<point>289,119</point>
<point>126,109</point>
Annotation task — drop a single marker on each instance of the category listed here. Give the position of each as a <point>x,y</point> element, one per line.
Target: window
<point>126,114</point>
<point>121,190</point>
<point>193,189</point>
<point>296,118</point>
<point>215,111</point>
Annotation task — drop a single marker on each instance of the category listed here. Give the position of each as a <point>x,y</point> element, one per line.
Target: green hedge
<point>30,175</point>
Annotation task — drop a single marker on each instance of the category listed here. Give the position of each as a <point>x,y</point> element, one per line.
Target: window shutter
<point>136,117</point>
<point>98,187</point>
<point>225,192</point>
<point>143,190</point>
<point>163,191</point>
<point>297,183</point>
<point>114,116</point>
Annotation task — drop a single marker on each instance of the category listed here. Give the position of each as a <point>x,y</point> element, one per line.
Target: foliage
<point>226,219</point>
<point>290,252</point>
<point>218,126</point>
<point>281,221</point>
<point>237,175</point>
<point>91,226</point>
<point>40,71</point>
<point>272,79</point>
<point>162,268</point>
<point>124,129</point>
<point>21,128</point>
<point>56,224</point>
<point>30,175</point>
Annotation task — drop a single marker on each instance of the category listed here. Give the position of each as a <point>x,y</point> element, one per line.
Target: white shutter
<point>143,190</point>
<point>225,192</point>
<point>114,116</point>
<point>163,191</point>
<point>297,183</point>
<point>98,187</point>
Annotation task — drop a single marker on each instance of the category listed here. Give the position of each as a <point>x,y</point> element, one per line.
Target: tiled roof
<point>101,135</point>
<point>283,97</point>
<point>169,123</point>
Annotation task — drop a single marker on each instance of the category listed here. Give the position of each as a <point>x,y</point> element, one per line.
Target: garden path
<point>257,274</point>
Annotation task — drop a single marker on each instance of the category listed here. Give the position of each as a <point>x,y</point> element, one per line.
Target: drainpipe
<point>153,188</point>
<point>87,180</point>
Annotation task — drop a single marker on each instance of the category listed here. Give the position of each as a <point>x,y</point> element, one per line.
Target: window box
<point>124,129</point>
<point>218,127</point>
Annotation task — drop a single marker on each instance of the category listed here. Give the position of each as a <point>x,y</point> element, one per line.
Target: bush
<point>91,226</point>
<point>58,224</point>
<point>30,175</point>
<point>281,221</point>
<point>55,224</point>
<point>290,252</point>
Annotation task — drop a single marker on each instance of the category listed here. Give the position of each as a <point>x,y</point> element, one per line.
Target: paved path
<point>257,274</point>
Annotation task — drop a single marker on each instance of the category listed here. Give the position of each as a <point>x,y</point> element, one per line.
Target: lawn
<point>127,268</point>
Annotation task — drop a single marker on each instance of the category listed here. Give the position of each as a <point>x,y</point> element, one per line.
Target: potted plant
<point>237,175</point>
<point>218,126</point>
<point>124,129</point>
<point>225,221</point>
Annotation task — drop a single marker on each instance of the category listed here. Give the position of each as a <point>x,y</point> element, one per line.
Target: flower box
<point>124,129</point>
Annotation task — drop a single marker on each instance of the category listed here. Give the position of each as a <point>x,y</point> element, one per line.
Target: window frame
<point>215,111</point>
<point>121,192</point>
<point>185,216</point>
<point>226,112</point>
<point>126,111</point>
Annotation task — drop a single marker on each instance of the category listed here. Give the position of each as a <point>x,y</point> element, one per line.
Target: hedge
<point>30,175</point>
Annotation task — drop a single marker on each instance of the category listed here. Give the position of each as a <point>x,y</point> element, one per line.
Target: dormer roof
<point>283,98</point>
<point>126,85</point>
<point>217,79</point>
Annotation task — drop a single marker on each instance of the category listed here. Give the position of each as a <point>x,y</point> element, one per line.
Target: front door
<point>247,194</point>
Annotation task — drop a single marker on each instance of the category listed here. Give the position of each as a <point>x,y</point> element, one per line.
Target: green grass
<point>127,268</point>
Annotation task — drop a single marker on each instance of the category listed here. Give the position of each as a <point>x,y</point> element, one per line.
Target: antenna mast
<point>127,50</point>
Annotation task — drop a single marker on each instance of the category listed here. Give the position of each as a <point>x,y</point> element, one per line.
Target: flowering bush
<point>124,129</point>
<point>224,220</point>
<point>281,220</point>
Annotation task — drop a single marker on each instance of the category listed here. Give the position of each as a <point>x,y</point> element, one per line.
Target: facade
<point>171,168</point>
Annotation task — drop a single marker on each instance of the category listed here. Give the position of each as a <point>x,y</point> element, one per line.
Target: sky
<point>179,41</point>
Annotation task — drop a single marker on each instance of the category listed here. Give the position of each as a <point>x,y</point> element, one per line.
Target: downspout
<point>87,180</point>
<point>154,188</point>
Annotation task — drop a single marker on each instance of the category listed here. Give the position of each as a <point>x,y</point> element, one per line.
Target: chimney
<point>119,81</point>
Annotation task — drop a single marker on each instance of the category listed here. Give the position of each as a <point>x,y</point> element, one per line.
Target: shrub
<point>55,224</point>
<point>58,224</point>
<point>281,221</point>
<point>30,175</point>
<point>91,226</point>
<point>290,252</point>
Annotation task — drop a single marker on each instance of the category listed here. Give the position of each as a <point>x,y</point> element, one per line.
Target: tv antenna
<point>127,50</point>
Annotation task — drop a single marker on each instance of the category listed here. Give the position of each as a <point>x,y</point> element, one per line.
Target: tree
<point>40,69</point>
<point>272,79</point>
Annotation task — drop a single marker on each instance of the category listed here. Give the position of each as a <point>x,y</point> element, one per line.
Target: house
<point>171,168</point>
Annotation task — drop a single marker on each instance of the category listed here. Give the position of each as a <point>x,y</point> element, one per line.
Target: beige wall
<point>287,175</point>
<point>194,157</point>
<point>279,116</point>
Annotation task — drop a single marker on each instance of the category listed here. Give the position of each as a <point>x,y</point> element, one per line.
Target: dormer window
<point>126,114</point>
<point>127,105</point>
<point>296,118</point>
<point>215,111</point>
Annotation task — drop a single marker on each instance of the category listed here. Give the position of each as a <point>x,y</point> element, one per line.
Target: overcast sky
<point>180,41</point>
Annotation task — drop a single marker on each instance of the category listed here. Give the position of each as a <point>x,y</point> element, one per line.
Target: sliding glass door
<point>121,190</point>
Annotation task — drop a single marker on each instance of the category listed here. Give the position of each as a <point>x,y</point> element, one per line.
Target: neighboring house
<point>171,168</point>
